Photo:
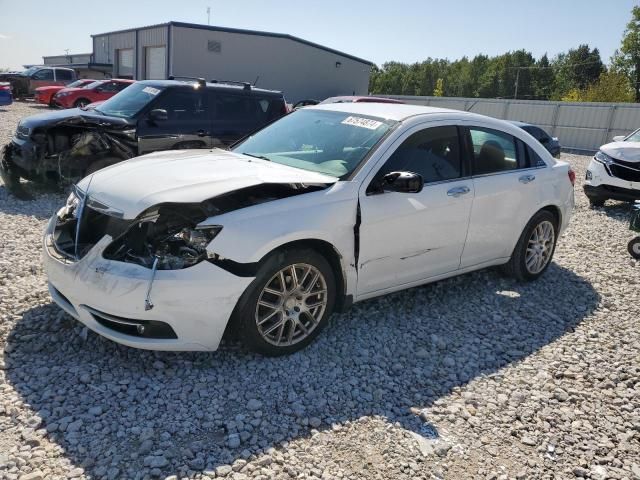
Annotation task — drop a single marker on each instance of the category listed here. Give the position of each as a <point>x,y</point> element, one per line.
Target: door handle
<point>458,191</point>
<point>527,178</point>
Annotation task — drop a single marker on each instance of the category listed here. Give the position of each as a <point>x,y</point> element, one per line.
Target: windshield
<point>78,84</point>
<point>91,85</point>
<point>129,101</point>
<point>30,71</point>
<point>323,141</point>
<point>634,137</point>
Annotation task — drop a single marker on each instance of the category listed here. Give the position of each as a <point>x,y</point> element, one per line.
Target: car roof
<point>217,85</point>
<point>361,98</point>
<point>391,111</point>
<point>520,124</point>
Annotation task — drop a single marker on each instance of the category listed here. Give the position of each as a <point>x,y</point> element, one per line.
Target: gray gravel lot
<point>473,377</point>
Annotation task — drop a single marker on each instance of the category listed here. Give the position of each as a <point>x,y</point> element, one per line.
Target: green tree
<point>439,90</point>
<point>543,79</point>
<point>576,69</point>
<point>627,60</point>
<point>610,87</point>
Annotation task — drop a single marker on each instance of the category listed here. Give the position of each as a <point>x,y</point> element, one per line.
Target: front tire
<point>288,304</point>
<point>534,250</point>
<point>81,103</point>
<point>634,248</point>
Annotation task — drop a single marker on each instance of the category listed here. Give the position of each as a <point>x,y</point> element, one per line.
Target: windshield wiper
<point>261,157</point>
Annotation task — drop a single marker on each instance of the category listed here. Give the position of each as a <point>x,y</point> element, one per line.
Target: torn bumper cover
<point>191,309</point>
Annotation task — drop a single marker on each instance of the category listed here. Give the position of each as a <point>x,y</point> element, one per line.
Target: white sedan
<point>328,206</point>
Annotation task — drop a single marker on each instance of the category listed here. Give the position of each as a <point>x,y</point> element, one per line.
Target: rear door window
<point>64,75</point>
<point>494,151</point>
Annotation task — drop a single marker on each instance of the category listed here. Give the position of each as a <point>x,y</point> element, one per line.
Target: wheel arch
<point>332,255</point>
<point>555,211</point>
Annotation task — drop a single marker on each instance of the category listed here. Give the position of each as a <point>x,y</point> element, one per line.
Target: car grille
<point>94,225</point>
<point>625,170</point>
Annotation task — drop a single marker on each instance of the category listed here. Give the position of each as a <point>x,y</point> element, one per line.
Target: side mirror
<point>619,138</point>
<point>158,115</point>
<point>403,182</point>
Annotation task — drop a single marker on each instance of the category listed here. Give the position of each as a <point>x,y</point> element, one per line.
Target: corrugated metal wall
<point>579,126</point>
<point>105,46</point>
<point>299,70</point>
<point>149,37</point>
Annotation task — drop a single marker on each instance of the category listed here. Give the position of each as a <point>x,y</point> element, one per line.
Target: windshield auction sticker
<point>362,122</point>
<point>151,90</point>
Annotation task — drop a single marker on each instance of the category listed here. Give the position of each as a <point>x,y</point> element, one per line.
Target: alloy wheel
<point>540,247</point>
<point>291,304</point>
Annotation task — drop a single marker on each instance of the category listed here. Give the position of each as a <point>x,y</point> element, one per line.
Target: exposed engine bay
<point>164,237</point>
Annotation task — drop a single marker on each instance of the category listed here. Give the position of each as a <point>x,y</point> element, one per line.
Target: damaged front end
<point>65,151</point>
<point>164,237</point>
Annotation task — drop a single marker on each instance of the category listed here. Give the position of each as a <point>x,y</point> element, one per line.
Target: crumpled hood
<point>625,151</point>
<point>72,116</point>
<point>186,176</point>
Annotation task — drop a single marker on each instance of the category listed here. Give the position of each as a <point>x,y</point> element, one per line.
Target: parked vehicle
<point>614,172</point>
<point>5,94</point>
<point>634,225</point>
<point>45,95</point>
<point>552,144</point>
<point>327,206</point>
<point>24,83</point>
<point>80,97</point>
<point>356,99</point>
<point>146,116</point>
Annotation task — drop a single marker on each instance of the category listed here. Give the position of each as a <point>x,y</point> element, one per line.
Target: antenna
<point>208,15</point>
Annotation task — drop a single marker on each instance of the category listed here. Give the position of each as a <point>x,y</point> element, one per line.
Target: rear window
<point>64,75</point>
<point>248,109</point>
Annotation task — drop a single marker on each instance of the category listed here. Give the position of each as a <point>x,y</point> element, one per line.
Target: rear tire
<point>282,311</point>
<point>634,248</point>
<point>596,202</point>
<point>535,248</point>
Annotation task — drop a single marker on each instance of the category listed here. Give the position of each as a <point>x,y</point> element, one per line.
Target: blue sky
<point>403,30</point>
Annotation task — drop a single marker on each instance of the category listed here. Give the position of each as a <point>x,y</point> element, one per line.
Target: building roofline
<point>65,55</point>
<point>245,32</point>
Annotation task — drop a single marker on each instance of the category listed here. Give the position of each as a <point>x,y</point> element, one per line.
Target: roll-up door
<point>155,63</point>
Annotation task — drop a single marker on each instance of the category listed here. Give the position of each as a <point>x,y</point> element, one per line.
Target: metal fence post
<point>612,113</point>
<point>505,111</point>
<point>554,120</point>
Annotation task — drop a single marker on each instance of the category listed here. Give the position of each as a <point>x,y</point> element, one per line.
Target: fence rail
<point>579,126</point>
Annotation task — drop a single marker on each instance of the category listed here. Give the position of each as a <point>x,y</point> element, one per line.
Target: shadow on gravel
<point>12,204</point>
<point>620,211</point>
<point>117,412</point>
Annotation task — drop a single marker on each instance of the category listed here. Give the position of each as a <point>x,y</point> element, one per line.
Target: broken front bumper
<point>191,307</point>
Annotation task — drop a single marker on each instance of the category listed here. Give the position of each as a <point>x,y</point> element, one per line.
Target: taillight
<point>572,177</point>
<point>5,87</point>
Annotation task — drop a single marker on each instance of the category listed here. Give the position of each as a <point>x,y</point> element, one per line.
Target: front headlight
<point>603,158</point>
<point>185,248</point>
<point>70,207</point>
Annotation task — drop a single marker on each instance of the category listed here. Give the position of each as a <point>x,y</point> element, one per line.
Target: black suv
<point>147,116</point>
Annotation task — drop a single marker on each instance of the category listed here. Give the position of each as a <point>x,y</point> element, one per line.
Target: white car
<point>328,206</point>
<point>614,171</point>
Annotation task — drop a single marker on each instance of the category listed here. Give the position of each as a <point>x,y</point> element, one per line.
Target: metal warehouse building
<point>299,68</point>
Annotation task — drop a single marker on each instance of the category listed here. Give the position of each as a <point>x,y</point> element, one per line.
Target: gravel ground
<point>473,377</point>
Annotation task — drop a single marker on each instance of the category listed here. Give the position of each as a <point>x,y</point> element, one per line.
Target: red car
<point>45,95</point>
<point>94,92</point>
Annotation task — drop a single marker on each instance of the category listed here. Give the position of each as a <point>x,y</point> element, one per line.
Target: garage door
<point>125,63</point>
<point>155,63</point>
